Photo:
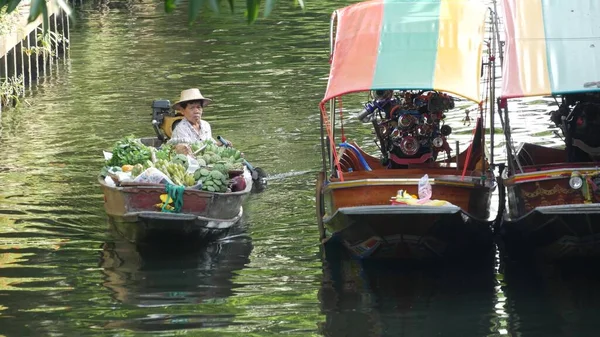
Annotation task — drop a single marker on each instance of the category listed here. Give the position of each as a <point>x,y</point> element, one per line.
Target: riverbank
<point>26,53</point>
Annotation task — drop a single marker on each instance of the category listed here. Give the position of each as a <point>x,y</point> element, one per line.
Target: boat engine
<point>578,117</point>
<point>409,125</point>
<point>163,119</point>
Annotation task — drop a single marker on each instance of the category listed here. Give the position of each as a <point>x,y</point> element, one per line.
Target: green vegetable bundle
<point>211,155</point>
<point>212,181</point>
<point>129,151</point>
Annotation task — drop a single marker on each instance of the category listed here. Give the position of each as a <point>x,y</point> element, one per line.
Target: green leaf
<point>45,17</point>
<point>35,9</point>
<point>299,2</point>
<point>268,7</point>
<point>253,7</point>
<point>170,6</point>
<point>12,4</point>
<point>194,7</point>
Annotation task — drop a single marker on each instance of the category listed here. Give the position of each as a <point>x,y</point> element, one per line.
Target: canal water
<point>65,272</point>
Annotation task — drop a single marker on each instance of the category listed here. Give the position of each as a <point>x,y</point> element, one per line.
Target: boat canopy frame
<point>541,36</point>
<point>356,35</point>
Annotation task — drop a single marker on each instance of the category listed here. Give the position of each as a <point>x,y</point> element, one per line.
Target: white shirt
<point>185,133</point>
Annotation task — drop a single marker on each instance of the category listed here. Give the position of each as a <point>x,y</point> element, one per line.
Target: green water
<point>64,272</point>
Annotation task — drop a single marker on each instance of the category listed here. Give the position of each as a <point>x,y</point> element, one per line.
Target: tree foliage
<point>40,8</point>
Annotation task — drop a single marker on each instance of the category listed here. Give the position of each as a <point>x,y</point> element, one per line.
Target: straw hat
<point>192,94</point>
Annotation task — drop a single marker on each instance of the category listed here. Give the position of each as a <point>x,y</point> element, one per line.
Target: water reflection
<point>552,299</point>
<point>380,299</point>
<point>171,276</point>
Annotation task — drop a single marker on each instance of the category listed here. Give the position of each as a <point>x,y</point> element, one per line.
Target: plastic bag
<point>109,181</point>
<point>153,175</point>
<point>107,155</point>
<point>193,165</point>
<point>118,176</point>
<point>424,188</point>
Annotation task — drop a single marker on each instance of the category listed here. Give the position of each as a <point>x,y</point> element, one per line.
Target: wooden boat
<point>396,50</point>
<point>553,207</point>
<point>132,207</point>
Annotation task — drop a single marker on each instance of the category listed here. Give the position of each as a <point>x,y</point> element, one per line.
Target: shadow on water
<point>146,277</point>
<point>367,298</point>
<point>560,299</point>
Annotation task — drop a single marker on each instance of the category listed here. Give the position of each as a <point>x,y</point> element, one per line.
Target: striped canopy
<point>552,47</point>
<point>408,44</point>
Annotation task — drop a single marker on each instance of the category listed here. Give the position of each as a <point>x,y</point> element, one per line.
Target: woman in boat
<point>192,127</point>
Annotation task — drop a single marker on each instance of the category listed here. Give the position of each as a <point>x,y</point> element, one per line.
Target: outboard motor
<point>160,108</point>
<point>578,117</point>
<point>164,119</point>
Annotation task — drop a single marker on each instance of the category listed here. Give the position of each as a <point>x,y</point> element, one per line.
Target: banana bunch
<point>212,181</point>
<point>176,172</point>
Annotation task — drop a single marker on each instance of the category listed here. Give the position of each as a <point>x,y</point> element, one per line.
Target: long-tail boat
<point>413,57</point>
<point>135,208</point>
<point>553,207</point>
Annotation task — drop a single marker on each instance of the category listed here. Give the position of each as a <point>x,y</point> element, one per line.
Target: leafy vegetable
<point>129,151</point>
<point>164,152</point>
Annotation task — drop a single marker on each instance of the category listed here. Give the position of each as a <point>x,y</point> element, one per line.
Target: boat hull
<point>423,233</point>
<point>135,213</point>
<point>553,232</point>
<point>547,219</point>
<point>359,215</point>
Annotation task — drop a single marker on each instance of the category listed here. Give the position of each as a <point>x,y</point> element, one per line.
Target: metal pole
<point>332,140</point>
<point>1,101</point>
<point>323,149</point>
<point>496,21</point>
<point>37,56</point>
<point>14,50</point>
<point>492,99</point>
<point>44,54</point>
<point>5,73</point>
<point>332,33</point>
<point>64,37</point>
<point>68,34</point>
<point>56,37</point>
<point>332,101</point>
<point>456,156</point>
<point>509,157</point>
<point>22,67</point>
<point>29,59</point>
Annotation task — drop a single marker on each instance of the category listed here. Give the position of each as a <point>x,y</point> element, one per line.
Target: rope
<point>175,193</point>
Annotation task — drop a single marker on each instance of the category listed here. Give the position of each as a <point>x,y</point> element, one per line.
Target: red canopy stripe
<point>354,67</point>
